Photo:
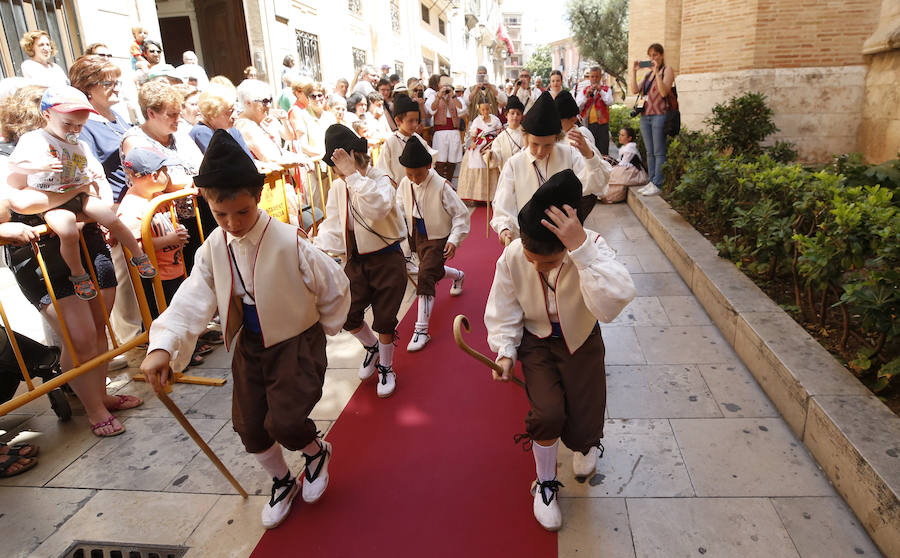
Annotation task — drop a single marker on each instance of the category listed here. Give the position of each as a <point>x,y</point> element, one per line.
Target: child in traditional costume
<point>437,221</point>
<point>512,139</point>
<point>477,181</point>
<point>524,173</point>
<point>278,297</point>
<point>550,288</point>
<point>363,222</point>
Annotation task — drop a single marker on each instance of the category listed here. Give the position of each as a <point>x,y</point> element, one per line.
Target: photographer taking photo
<point>445,107</point>
<point>655,86</point>
<point>483,88</point>
<point>524,90</point>
<point>593,103</point>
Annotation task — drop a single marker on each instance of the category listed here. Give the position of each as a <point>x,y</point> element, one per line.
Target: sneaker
<point>457,285</point>
<point>370,362</point>
<point>584,465</point>
<point>649,190</point>
<point>418,341</point>
<point>546,507</point>
<point>283,492</point>
<point>316,481</point>
<point>387,381</point>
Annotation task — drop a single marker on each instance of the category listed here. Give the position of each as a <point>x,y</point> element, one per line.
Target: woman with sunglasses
<point>262,128</point>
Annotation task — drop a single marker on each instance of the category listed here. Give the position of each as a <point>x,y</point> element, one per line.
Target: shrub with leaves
<point>742,123</point>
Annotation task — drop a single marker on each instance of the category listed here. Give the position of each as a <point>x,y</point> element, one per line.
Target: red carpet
<point>431,471</point>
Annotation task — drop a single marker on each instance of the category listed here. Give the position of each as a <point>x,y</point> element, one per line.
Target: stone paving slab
<point>692,527</point>
<point>30,515</point>
<point>748,457</point>
<point>595,528</point>
<point>824,527</point>
<point>659,390</point>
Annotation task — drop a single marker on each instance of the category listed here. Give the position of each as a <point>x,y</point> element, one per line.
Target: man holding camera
<point>593,102</point>
<point>484,88</point>
<point>446,141</point>
<point>524,91</point>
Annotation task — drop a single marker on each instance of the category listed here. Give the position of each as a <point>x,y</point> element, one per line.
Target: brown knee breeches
<point>275,389</point>
<point>567,392</point>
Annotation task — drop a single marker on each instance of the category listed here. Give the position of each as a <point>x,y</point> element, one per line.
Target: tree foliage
<point>540,63</point>
<point>600,29</point>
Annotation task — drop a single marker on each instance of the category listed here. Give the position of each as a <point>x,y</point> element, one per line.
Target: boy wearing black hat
<point>406,115</point>
<point>437,221</point>
<point>512,139</point>
<point>279,297</point>
<point>550,288</point>
<point>568,116</point>
<point>524,173</point>
<point>363,222</point>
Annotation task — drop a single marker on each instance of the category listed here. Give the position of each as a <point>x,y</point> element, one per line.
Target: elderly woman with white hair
<point>262,127</point>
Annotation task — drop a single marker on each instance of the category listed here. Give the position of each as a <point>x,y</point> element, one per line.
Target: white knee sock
<point>426,304</point>
<point>366,336</point>
<point>545,460</point>
<point>272,460</point>
<point>452,272</point>
<point>386,354</point>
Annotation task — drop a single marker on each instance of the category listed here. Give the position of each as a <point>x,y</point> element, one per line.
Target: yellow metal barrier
<point>80,369</point>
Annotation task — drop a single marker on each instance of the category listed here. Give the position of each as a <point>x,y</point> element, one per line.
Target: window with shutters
<point>395,15</point>
<point>56,17</point>
<point>359,58</point>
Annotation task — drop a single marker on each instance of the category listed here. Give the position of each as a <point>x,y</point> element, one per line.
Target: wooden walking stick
<point>192,432</point>
<point>461,322</point>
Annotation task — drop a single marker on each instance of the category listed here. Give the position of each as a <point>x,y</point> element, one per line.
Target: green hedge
<point>832,232</point>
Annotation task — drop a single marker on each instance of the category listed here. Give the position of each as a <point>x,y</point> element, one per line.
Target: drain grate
<point>93,549</point>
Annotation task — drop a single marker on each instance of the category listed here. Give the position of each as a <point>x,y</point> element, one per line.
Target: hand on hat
<point>565,225</point>
<point>576,140</point>
<point>343,162</point>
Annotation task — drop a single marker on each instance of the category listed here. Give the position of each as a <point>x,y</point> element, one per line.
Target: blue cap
<point>141,161</point>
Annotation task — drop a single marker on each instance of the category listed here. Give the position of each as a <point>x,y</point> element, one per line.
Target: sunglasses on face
<point>110,83</point>
<point>418,90</point>
<point>317,96</point>
<point>151,52</point>
<point>103,55</point>
<point>263,101</point>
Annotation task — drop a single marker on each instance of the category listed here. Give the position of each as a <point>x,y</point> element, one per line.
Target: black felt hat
<point>226,166</point>
<point>403,104</point>
<point>415,155</point>
<point>514,102</point>
<point>338,136</point>
<point>566,105</point>
<point>560,189</point>
<point>543,118</point>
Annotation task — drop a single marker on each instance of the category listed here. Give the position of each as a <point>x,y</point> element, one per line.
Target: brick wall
<point>725,35</point>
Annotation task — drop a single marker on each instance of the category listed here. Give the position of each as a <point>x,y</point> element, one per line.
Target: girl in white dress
<point>476,181</point>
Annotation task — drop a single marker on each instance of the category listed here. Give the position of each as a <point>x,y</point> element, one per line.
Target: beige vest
<point>389,229</point>
<point>431,205</point>
<point>285,306</point>
<point>575,320</point>
<point>560,159</point>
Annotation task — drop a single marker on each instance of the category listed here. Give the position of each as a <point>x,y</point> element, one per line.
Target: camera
<point>637,111</point>
<point>420,94</point>
<point>645,64</point>
<point>483,87</point>
<point>518,82</point>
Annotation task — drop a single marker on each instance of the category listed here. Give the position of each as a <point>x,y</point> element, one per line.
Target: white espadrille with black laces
<point>315,473</point>
<point>279,506</point>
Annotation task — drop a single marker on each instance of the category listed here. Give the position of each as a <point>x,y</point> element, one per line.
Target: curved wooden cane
<point>461,322</point>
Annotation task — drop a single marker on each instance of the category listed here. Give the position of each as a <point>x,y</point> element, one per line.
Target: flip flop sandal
<point>195,360</point>
<point>20,450</point>
<point>144,268</point>
<point>203,349</point>
<point>107,422</point>
<point>10,461</point>
<point>125,402</point>
<point>213,337</point>
<point>84,287</point>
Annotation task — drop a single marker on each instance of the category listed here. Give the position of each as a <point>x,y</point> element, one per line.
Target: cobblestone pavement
<point>698,460</point>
